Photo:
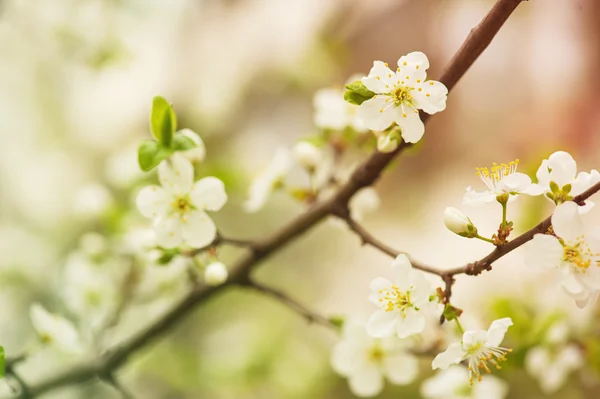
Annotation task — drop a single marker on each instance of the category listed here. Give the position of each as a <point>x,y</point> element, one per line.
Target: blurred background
<point>77,79</point>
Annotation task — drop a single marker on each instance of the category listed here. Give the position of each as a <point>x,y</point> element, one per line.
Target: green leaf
<point>357,93</point>
<point>337,321</point>
<point>2,362</point>
<point>151,153</point>
<point>451,313</point>
<point>163,121</point>
<point>182,143</point>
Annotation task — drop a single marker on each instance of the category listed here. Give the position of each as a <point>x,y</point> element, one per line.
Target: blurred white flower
<point>93,244</point>
<point>501,179</point>
<point>551,366</point>
<point>178,207</point>
<point>459,223</point>
<point>270,178</point>
<point>365,361</point>
<point>365,201</point>
<point>333,112</point>
<point>574,253</point>
<point>55,330</point>
<point>92,200</point>
<point>387,141</point>
<point>307,155</point>
<point>198,153</point>
<point>158,281</point>
<point>453,384</point>
<point>400,95</point>
<point>560,169</point>
<point>215,274</point>
<point>401,302</point>
<point>480,347</point>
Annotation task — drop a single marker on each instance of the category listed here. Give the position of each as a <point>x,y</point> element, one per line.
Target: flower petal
<point>410,122</point>
<point>514,183</point>
<point>420,288</point>
<point>566,221</point>
<point>168,231</point>
<point>430,96</point>
<point>414,65</point>
<point>379,79</point>
<point>198,230</point>
<point>382,324</point>
<point>401,369</point>
<point>543,252</point>
<point>496,332</point>
<point>453,355</point>
<point>562,168</point>
<point>377,113</point>
<point>152,201</point>
<point>473,197</point>
<point>584,181</point>
<point>367,381</point>
<point>176,174</point>
<point>344,358</point>
<point>474,337</point>
<point>208,194</point>
<point>412,322</point>
<point>401,268</point>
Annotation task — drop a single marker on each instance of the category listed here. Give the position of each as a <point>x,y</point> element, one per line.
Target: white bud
<point>198,153</point>
<point>307,155</point>
<point>388,142</point>
<point>215,274</point>
<point>457,222</point>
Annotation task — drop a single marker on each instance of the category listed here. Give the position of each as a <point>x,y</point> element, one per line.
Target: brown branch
<point>366,174</point>
<point>310,316</point>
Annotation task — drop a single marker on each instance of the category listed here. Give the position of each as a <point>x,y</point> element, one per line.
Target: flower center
<point>394,299</point>
<point>492,176</point>
<point>479,357</point>
<point>580,255</point>
<point>401,95</point>
<point>182,205</point>
<point>376,354</point>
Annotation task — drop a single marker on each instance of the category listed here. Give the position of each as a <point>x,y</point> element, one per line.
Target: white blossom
<point>268,180</point>
<point>333,112</point>
<point>55,330</point>
<point>178,208</point>
<point>387,141</point>
<point>215,274</point>
<point>573,252</point>
<point>453,384</point>
<point>501,179</point>
<point>198,153</point>
<point>365,361</point>
<point>551,365</point>
<point>457,222</point>
<point>561,169</point>
<point>480,347</point>
<point>400,95</point>
<point>402,301</point>
<point>307,155</point>
<point>365,201</point>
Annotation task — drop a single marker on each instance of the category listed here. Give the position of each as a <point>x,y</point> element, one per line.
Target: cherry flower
<point>365,361</point>
<point>401,302</point>
<point>480,347</point>
<point>574,252</point>
<point>452,384</point>
<point>400,95</point>
<point>268,180</point>
<point>333,112</point>
<point>55,329</point>
<point>178,208</point>
<point>501,179</point>
<point>559,181</point>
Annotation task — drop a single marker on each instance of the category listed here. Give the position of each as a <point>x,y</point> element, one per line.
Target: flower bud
<point>307,155</point>
<point>215,274</point>
<point>198,153</point>
<point>388,142</point>
<point>457,222</point>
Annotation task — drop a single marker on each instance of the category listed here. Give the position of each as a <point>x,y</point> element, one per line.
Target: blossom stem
<point>504,206</point>
<point>484,239</point>
<point>459,326</point>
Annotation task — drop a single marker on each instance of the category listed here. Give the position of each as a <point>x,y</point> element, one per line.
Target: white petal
<point>430,96</point>
<point>516,182</point>
<point>208,194</point>
<point>176,174</point>
<point>584,181</point>
<point>366,382</point>
<point>382,324</point>
<point>534,189</point>
<point>376,113</point>
<point>198,230</point>
<point>198,153</point>
<point>496,332</point>
<point>490,388</point>
<point>153,201</point>
<point>473,197</point>
<point>421,288</point>
<point>537,360</point>
<point>474,337</point>
<point>59,330</point>
<point>543,252</point>
<point>401,369</point>
<point>380,283</point>
<point>330,109</point>
<point>567,222</point>
<point>572,286</point>
<point>543,174</point>
<point>379,79</point>
<point>414,65</point>
<point>168,231</point>
<point>401,269</point>
<point>563,168</point>
<point>412,323</point>
<point>344,357</point>
<point>410,122</point>
<point>453,355</point>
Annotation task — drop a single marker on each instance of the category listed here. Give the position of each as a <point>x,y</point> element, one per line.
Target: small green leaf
<point>337,321</point>
<point>151,153</point>
<point>451,313</point>
<point>2,362</point>
<point>182,143</point>
<point>357,93</point>
<point>163,121</point>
